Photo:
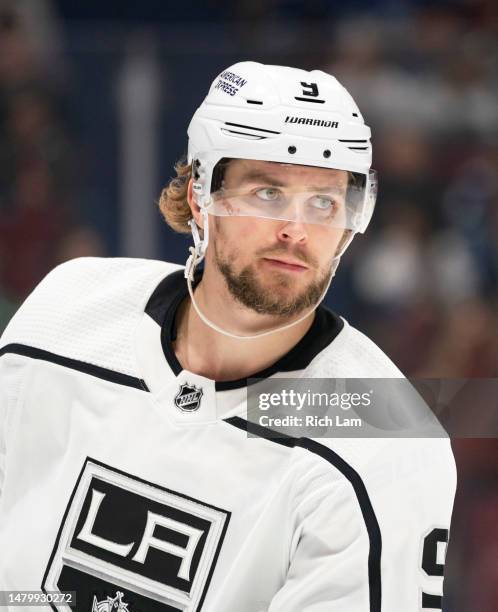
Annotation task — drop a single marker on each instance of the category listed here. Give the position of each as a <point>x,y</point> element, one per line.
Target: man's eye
<point>322,202</point>
<point>268,194</point>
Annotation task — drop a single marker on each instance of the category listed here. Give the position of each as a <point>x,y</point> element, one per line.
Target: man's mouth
<point>286,264</point>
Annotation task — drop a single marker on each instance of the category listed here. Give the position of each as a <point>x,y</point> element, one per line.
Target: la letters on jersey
<point>121,534</point>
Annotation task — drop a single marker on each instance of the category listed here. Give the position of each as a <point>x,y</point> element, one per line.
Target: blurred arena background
<point>95,99</point>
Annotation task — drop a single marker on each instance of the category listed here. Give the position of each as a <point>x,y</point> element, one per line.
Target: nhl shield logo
<point>188,398</point>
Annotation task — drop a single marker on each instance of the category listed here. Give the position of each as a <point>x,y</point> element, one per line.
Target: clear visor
<point>339,199</point>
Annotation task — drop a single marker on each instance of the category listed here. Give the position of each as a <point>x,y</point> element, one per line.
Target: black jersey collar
<point>163,305</point>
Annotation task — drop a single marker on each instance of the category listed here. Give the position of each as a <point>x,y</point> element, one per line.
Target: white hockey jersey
<point>109,489</point>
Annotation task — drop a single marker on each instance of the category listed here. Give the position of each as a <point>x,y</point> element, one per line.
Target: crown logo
<point>110,604</point>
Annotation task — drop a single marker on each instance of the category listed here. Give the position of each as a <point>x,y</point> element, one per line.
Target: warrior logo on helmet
<point>310,121</point>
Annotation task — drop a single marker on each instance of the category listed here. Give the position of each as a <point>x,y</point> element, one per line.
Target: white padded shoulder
<point>352,355</point>
<point>87,309</point>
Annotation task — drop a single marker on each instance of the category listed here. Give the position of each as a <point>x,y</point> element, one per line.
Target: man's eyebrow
<point>264,177</point>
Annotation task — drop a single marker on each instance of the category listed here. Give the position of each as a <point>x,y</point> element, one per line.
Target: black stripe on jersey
<point>81,366</point>
<point>372,525</point>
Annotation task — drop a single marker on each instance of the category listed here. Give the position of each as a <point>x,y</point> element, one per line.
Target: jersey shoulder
<point>352,355</point>
<point>87,309</point>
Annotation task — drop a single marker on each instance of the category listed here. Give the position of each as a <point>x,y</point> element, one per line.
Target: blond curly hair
<point>173,202</point>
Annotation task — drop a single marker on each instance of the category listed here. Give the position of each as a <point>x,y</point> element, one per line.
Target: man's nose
<point>293,232</point>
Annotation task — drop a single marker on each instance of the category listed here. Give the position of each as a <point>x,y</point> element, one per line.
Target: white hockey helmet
<point>275,113</point>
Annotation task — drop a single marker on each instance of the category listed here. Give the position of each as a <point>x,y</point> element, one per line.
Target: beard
<point>248,290</point>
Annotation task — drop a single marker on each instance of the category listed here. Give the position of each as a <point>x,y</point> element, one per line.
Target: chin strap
<point>197,253</point>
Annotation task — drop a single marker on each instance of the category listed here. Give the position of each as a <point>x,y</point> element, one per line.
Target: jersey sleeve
<point>410,481</point>
<point>412,486</point>
<point>3,420</point>
<point>12,369</point>
<point>13,365</point>
<point>336,555</point>
<point>377,543</point>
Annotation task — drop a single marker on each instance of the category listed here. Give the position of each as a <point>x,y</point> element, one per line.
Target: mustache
<point>279,252</point>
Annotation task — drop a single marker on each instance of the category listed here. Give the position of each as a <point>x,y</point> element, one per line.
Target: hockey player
<point>126,471</point>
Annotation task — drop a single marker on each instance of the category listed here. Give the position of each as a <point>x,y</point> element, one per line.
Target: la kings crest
<point>133,545</point>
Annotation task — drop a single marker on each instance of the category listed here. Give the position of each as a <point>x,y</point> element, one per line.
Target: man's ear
<point>194,207</point>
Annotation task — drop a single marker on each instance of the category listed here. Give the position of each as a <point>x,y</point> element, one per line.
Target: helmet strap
<point>197,253</point>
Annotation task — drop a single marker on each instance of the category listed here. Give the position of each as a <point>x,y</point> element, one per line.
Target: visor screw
<point>327,153</point>
<point>292,149</point>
